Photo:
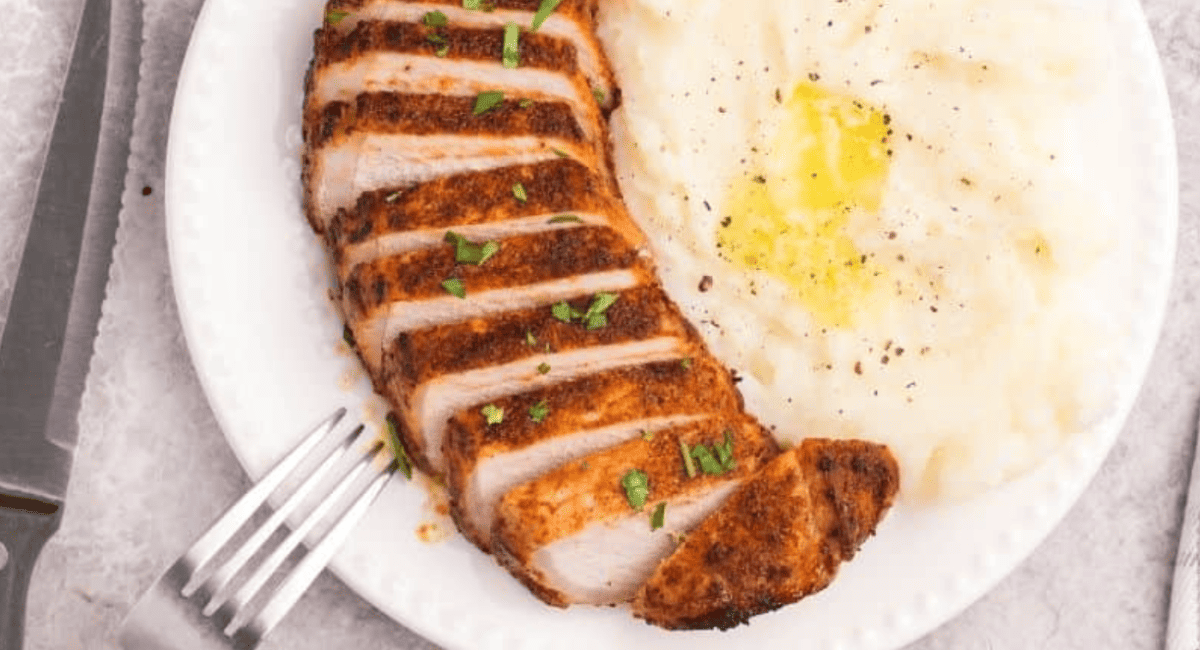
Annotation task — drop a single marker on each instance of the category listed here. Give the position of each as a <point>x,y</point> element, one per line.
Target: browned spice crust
<point>555,186</point>
<point>779,538</point>
<point>522,260</point>
<point>463,43</point>
<point>410,114</point>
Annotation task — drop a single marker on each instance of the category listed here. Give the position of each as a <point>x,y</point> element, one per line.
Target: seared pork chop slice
<point>550,426</point>
<point>413,58</point>
<point>406,291</point>
<point>779,538</point>
<point>573,21</point>
<point>393,139</point>
<point>430,373</point>
<point>572,535</point>
<point>480,206</point>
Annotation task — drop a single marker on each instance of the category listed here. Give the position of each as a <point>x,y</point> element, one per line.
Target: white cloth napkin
<point>1183,622</point>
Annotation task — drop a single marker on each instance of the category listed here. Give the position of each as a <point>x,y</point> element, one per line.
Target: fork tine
<point>288,593</point>
<point>232,614</point>
<point>205,548</point>
<point>220,580</point>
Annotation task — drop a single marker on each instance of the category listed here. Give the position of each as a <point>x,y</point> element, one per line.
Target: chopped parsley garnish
<point>598,94</point>
<point>454,287</point>
<point>519,192</point>
<point>559,152</point>
<point>348,335</point>
<point>442,51</point>
<point>467,253</point>
<point>564,312</point>
<point>637,488</point>
<point>566,218</point>
<point>539,411</point>
<point>510,56</point>
<point>688,465</point>
<point>487,100</point>
<point>686,363</point>
<point>530,339</point>
<point>722,462</point>
<point>436,39</point>
<point>660,513</point>
<point>543,368</point>
<point>479,5</point>
<point>594,318</point>
<point>492,414</point>
<point>543,13</point>
<point>392,439</point>
<point>647,435</point>
<point>393,197</point>
<point>435,19</point>
<point>335,17</point>
<point>525,103</point>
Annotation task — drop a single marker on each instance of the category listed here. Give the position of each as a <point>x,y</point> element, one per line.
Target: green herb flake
<point>686,363</point>
<point>559,152</point>
<point>598,94</point>
<point>472,5</point>
<point>539,411</point>
<point>393,197</point>
<point>348,335</point>
<point>525,103</point>
<point>442,51</point>
<point>519,192</point>
<point>492,414</point>
<point>487,100</point>
<point>647,435</point>
<point>543,368</point>
<point>595,317</point>
<point>454,287</point>
<point>435,19</point>
<point>510,56</point>
<point>467,253</point>
<point>436,39</point>
<point>335,17</point>
<point>708,464</point>
<point>660,513</point>
<point>392,440</point>
<point>543,13</point>
<point>566,218</point>
<point>720,463</point>
<point>530,339</point>
<point>564,312</point>
<point>637,488</point>
<point>688,465</point>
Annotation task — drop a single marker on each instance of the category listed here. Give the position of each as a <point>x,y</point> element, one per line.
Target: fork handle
<point>22,534</point>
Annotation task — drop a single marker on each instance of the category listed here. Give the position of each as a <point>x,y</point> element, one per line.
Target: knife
<point>47,341</point>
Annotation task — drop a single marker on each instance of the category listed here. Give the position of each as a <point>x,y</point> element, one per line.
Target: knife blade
<point>46,344</point>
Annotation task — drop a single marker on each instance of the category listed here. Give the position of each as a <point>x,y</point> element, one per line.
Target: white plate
<point>251,284</point>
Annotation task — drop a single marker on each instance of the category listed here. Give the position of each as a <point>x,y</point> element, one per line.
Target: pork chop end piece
<point>779,538</point>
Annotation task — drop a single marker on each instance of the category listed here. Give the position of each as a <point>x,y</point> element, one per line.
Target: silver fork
<point>221,594</point>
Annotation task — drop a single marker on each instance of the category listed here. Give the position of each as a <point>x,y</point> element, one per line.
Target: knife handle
<point>22,533</point>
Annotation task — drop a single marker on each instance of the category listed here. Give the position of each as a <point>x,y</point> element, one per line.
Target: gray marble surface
<point>153,469</point>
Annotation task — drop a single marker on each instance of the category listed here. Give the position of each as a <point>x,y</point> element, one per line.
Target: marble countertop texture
<point>153,469</point>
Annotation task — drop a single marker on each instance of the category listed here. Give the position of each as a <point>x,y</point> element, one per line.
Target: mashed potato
<point>905,207</point>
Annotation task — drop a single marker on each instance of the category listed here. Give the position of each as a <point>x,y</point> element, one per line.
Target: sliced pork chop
<point>409,290</point>
<point>573,21</point>
<point>779,538</point>
<point>572,535</point>
<point>413,58</point>
<point>480,206</point>
<point>550,426</point>
<point>393,139</point>
<point>432,372</point>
